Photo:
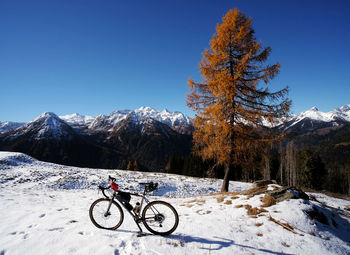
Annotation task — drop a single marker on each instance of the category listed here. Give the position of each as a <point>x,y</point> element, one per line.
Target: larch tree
<point>136,166</point>
<point>232,102</point>
<point>130,166</point>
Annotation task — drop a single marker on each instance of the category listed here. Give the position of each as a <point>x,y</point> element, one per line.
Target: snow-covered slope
<point>7,126</point>
<point>44,209</point>
<point>77,119</point>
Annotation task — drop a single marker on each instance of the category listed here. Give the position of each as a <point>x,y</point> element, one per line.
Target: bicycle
<point>159,217</point>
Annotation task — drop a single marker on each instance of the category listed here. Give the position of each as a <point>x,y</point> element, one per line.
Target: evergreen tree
<point>306,167</point>
<point>231,102</point>
<point>311,170</point>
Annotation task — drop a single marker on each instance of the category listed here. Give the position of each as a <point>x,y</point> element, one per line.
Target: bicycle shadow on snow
<point>218,244</point>
<point>213,245</point>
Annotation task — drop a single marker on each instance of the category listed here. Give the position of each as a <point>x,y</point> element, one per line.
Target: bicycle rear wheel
<point>102,218</point>
<point>160,218</point>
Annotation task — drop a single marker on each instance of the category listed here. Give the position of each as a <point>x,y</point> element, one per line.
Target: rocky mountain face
<point>313,120</point>
<point>150,137</point>
<point>145,136</point>
<point>51,139</point>
<point>328,134</point>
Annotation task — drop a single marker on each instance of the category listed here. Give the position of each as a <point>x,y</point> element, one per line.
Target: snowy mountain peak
<point>342,113</point>
<point>345,108</point>
<point>138,116</point>
<point>47,115</point>
<point>47,125</point>
<point>145,109</point>
<point>78,119</point>
<point>314,114</point>
<point>339,114</point>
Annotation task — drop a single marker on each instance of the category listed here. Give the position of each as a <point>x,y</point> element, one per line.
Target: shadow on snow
<point>217,244</point>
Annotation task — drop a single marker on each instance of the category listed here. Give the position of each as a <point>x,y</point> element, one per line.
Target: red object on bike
<point>114,186</point>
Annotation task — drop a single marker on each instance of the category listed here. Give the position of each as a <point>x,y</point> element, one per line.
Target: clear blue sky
<point>93,57</point>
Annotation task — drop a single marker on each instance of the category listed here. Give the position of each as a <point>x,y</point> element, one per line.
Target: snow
<point>44,209</point>
<point>77,119</point>
<point>138,116</point>
<point>342,113</point>
<point>144,114</point>
<point>49,125</point>
<point>315,114</point>
<point>8,126</point>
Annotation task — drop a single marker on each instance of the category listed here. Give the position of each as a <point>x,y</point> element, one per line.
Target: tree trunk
<point>267,172</point>
<point>281,169</point>
<point>225,182</point>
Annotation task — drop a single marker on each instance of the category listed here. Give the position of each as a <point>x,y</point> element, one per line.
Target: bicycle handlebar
<point>110,178</point>
<point>103,190</point>
<point>149,186</point>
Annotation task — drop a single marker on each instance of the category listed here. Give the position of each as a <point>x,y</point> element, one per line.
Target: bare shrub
<point>255,191</point>
<point>228,202</point>
<point>254,210</point>
<point>220,199</point>
<point>268,201</point>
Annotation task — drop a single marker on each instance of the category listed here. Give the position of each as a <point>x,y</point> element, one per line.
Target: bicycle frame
<point>136,216</point>
<point>158,217</point>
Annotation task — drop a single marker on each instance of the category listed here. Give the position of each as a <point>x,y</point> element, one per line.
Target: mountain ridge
<point>144,135</point>
<point>176,119</point>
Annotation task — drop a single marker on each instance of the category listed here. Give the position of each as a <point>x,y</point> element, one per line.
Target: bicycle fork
<point>107,213</point>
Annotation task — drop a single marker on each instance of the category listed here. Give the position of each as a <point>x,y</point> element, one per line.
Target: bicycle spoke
<point>160,218</point>
<point>103,219</point>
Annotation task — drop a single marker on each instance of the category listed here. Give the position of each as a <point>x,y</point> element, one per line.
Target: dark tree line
<point>288,165</point>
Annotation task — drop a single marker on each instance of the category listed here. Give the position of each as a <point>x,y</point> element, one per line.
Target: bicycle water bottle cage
<point>114,186</point>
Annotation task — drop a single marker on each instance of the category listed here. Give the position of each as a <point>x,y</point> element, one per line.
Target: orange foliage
<point>233,97</point>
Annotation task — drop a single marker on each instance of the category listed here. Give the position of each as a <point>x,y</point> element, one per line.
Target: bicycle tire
<point>99,219</point>
<point>156,213</point>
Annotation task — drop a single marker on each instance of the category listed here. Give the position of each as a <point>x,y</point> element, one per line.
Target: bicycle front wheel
<point>160,218</point>
<point>101,217</point>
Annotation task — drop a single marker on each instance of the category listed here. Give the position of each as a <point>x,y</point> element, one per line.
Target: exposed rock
<point>288,193</point>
